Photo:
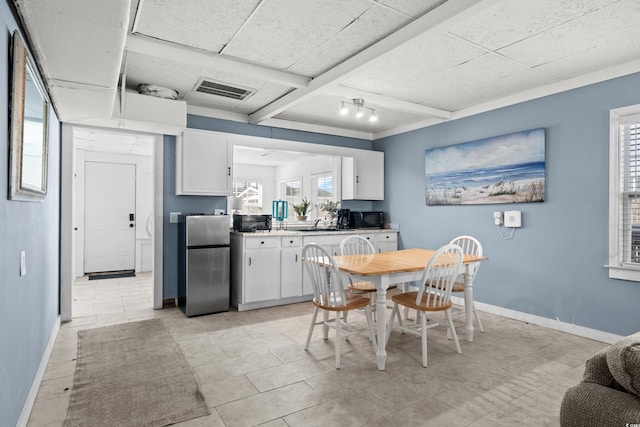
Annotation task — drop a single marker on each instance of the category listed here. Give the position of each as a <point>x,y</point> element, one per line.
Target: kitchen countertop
<point>312,232</point>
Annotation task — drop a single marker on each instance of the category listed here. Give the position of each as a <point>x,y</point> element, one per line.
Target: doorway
<point>97,159</point>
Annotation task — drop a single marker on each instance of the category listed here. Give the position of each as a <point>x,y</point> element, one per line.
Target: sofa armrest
<point>590,404</point>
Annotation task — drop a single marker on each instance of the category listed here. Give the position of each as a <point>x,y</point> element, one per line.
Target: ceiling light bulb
<point>373,117</point>
<point>344,110</point>
<point>359,113</point>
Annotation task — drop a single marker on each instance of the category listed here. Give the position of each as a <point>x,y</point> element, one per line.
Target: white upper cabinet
<point>203,163</point>
<point>363,176</point>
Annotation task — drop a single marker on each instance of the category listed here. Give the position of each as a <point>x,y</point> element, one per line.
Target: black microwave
<point>251,222</point>
<point>366,219</point>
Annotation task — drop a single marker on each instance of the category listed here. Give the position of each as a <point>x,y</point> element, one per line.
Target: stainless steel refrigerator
<point>203,264</point>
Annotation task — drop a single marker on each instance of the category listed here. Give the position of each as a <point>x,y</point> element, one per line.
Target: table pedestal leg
<point>381,315</point>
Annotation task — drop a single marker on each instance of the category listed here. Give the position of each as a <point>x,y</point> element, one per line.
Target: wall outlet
<point>174,217</point>
<point>23,263</point>
<point>497,217</point>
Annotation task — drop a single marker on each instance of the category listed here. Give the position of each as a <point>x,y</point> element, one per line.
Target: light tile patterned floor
<point>253,370</point>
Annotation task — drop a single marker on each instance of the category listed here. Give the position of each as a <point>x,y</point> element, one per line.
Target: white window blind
<point>322,185</point>
<point>292,191</point>
<point>629,167</point>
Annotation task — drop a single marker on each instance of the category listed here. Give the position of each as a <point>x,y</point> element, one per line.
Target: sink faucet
<point>315,224</point>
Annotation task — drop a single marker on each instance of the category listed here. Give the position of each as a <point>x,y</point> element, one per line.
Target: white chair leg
<point>372,336</point>
<point>394,312</point>
<point>452,329</point>
<point>423,320</point>
<point>325,327</point>
<point>313,324</point>
<point>338,339</point>
<point>475,313</point>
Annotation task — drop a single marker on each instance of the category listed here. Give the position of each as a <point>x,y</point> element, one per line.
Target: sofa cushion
<point>597,371</point>
<point>623,360</point>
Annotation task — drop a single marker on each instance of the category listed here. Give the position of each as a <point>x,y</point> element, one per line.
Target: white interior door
<point>109,219</point>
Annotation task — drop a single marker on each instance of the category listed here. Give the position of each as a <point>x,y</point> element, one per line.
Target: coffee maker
<point>343,222</point>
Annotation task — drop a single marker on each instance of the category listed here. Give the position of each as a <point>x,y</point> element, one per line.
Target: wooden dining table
<point>405,265</point>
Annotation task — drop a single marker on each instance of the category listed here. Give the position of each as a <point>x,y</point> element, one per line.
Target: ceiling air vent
<point>219,89</point>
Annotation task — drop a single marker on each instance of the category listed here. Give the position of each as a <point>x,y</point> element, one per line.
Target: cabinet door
<point>262,278</point>
<point>203,164</point>
<point>386,242</point>
<point>363,176</point>
<point>291,272</point>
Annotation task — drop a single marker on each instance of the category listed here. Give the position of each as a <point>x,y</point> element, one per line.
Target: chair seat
<point>408,299</point>
<point>458,287</point>
<point>333,302</point>
<point>365,286</point>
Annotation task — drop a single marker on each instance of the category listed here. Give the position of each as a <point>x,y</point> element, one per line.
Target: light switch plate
<point>23,263</point>
<point>174,217</point>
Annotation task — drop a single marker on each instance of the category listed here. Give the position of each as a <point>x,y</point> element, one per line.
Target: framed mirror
<point>28,131</point>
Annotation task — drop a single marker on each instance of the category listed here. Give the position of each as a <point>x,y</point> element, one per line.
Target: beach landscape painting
<point>502,169</point>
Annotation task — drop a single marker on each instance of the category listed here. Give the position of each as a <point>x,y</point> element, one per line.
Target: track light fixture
<point>360,109</point>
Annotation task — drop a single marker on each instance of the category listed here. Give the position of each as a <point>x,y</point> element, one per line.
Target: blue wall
<point>554,265</point>
<point>28,304</point>
<point>187,204</point>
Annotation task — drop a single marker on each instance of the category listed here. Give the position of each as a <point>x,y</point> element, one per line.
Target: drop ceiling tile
<point>100,44</point>
<point>370,27</point>
<point>407,68</point>
<point>282,32</point>
<point>413,8</point>
<point>111,13</point>
<point>160,71</point>
<point>203,24</point>
<point>583,39</point>
<point>510,21</point>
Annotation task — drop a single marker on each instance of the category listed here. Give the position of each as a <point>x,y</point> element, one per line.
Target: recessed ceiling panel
<point>373,25</point>
<point>324,110</point>
<point>510,21</point>
<point>282,32</point>
<point>403,73</point>
<point>203,24</point>
<point>160,71</point>
<point>265,93</point>
<point>412,8</point>
<point>587,41</point>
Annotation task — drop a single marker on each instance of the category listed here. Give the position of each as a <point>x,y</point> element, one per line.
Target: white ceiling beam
<point>201,58</point>
<point>438,19</point>
<point>391,103</point>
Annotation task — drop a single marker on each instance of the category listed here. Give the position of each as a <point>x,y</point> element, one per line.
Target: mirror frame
<point>21,64</point>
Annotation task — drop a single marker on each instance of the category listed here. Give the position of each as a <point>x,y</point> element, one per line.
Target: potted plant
<point>330,207</point>
<point>301,208</point>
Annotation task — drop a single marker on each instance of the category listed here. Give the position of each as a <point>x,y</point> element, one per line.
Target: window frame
<point>314,188</point>
<point>618,268</point>
<point>260,207</point>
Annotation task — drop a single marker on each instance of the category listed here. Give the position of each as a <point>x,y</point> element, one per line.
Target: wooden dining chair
<point>358,245</point>
<point>329,295</point>
<point>433,295</point>
<point>470,246</point>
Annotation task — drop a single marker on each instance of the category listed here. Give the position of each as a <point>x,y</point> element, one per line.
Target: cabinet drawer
<point>262,242</point>
<point>371,237</point>
<point>291,242</point>
<point>387,237</point>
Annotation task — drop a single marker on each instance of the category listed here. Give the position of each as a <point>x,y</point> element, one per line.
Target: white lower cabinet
<point>267,270</point>
<point>291,267</point>
<point>386,242</point>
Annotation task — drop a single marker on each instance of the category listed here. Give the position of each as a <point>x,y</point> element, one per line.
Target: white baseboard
<point>569,328</point>
<point>35,386</point>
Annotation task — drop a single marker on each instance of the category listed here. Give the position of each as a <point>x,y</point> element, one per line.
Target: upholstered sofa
<point>609,393</point>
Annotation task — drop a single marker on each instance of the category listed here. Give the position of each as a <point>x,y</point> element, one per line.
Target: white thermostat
<point>512,219</point>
